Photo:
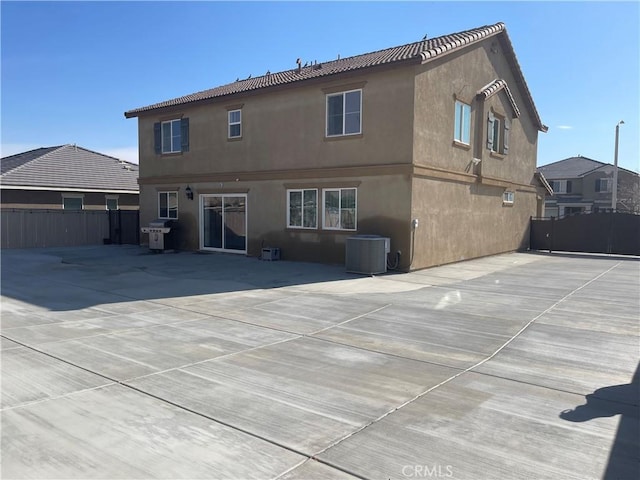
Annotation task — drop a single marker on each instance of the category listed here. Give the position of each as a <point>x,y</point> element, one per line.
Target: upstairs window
<point>344,113</point>
<point>302,208</point>
<point>561,186</point>
<point>340,210</point>
<point>235,124</point>
<point>171,136</point>
<point>168,205</point>
<point>112,203</point>
<point>603,185</point>
<point>498,130</point>
<point>462,128</point>
<point>495,141</point>
<point>73,202</point>
<point>171,139</point>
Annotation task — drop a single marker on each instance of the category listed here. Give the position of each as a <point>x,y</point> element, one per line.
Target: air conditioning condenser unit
<point>367,254</point>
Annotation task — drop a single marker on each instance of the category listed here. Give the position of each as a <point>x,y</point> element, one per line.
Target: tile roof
<point>417,52</point>
<point>573,167</point>
<point>577,167</point>
<point>68,167</point>
<point>14,161</point>
<point>606,167</point>
<point>494,87</point>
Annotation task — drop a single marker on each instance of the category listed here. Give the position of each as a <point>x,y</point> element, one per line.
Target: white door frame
<point>201,220</point>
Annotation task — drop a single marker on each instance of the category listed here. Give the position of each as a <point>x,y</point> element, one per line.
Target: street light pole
<point>614,196</point>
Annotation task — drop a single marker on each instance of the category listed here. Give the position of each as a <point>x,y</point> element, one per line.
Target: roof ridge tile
<point>423,50</point>
<point>394,54</point>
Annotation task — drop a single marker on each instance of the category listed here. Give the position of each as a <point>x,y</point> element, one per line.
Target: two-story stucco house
<point>583,185</point>
<point>432,144</point>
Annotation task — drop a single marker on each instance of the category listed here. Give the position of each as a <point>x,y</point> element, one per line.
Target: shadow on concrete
<point>73,278</point>
<point>623,400</point>
<point>594,256</point>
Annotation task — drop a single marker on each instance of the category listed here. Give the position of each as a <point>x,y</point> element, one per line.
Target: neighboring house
<point>432,144</point>
<point>583,185</point>
<point>68,177</point>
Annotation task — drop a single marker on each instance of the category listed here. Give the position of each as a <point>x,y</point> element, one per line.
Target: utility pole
<point>614,195</point>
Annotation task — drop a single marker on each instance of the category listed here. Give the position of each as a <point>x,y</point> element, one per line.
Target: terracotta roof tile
<point>418,52</point>
<point>494,87</point>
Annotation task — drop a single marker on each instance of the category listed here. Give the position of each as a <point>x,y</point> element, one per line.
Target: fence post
<point>553,220</point>
<point>531,233</point>
<point>612,234</point>
<point>610,245</point>
<point>138,227</point>
<point>119,227</point>
<point>110,227</point>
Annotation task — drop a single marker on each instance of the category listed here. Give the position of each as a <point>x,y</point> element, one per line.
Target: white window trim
<point>562,186</point>
<point>461,105</point>
<point>177,209</point>
<point>201,219</point>
<point>73,195</point>
<point>344,106</point>
<point>171,123</point>
<point>230,123</point>
<point>324,192</point>
<point>111,197</point>
<point>301,190</point>
<point>508,198</point>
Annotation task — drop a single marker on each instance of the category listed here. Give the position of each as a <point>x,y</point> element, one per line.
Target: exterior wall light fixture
<point>189,192</point>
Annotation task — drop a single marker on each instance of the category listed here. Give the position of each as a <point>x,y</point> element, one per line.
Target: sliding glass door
<point>223,222</point>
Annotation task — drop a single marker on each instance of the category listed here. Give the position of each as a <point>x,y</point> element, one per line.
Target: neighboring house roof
<point>607,167</point>
<point>575,167</point>
<point>68,167</point>
<point>417,52</point>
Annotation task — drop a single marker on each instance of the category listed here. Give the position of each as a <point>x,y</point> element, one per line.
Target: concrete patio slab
<point>445,338</point>
<point>143,351</point>
<point>483,427</point>
<point>117,363</point>
<point>7,344</point>
<point>59,331</point>
<point>313,470</point>
<point>29,376</point>
<point>303,393</point>
<point>572,360</point>
<point>114,432</point>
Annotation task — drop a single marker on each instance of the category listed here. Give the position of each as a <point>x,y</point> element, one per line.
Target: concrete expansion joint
<point>472,367</point>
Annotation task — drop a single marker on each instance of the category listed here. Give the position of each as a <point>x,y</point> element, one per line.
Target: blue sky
<point>71,69</point>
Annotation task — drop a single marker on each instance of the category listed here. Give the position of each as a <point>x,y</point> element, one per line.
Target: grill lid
<point>160,223</point>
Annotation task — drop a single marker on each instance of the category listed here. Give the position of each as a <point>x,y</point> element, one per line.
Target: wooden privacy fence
<point>26,228</point>
<point>608,232</point>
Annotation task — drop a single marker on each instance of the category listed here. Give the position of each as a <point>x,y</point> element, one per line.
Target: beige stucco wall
<point>285,129</point>
<point>384,207</point>
<point>283,143</point>
<point>458,221</point>
<point>460,76</point>
<point>458,205</point>
<point>405,162</point>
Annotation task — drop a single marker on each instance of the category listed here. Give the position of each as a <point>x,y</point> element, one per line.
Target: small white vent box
<point>367,254</point>
<point>270,254</point>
